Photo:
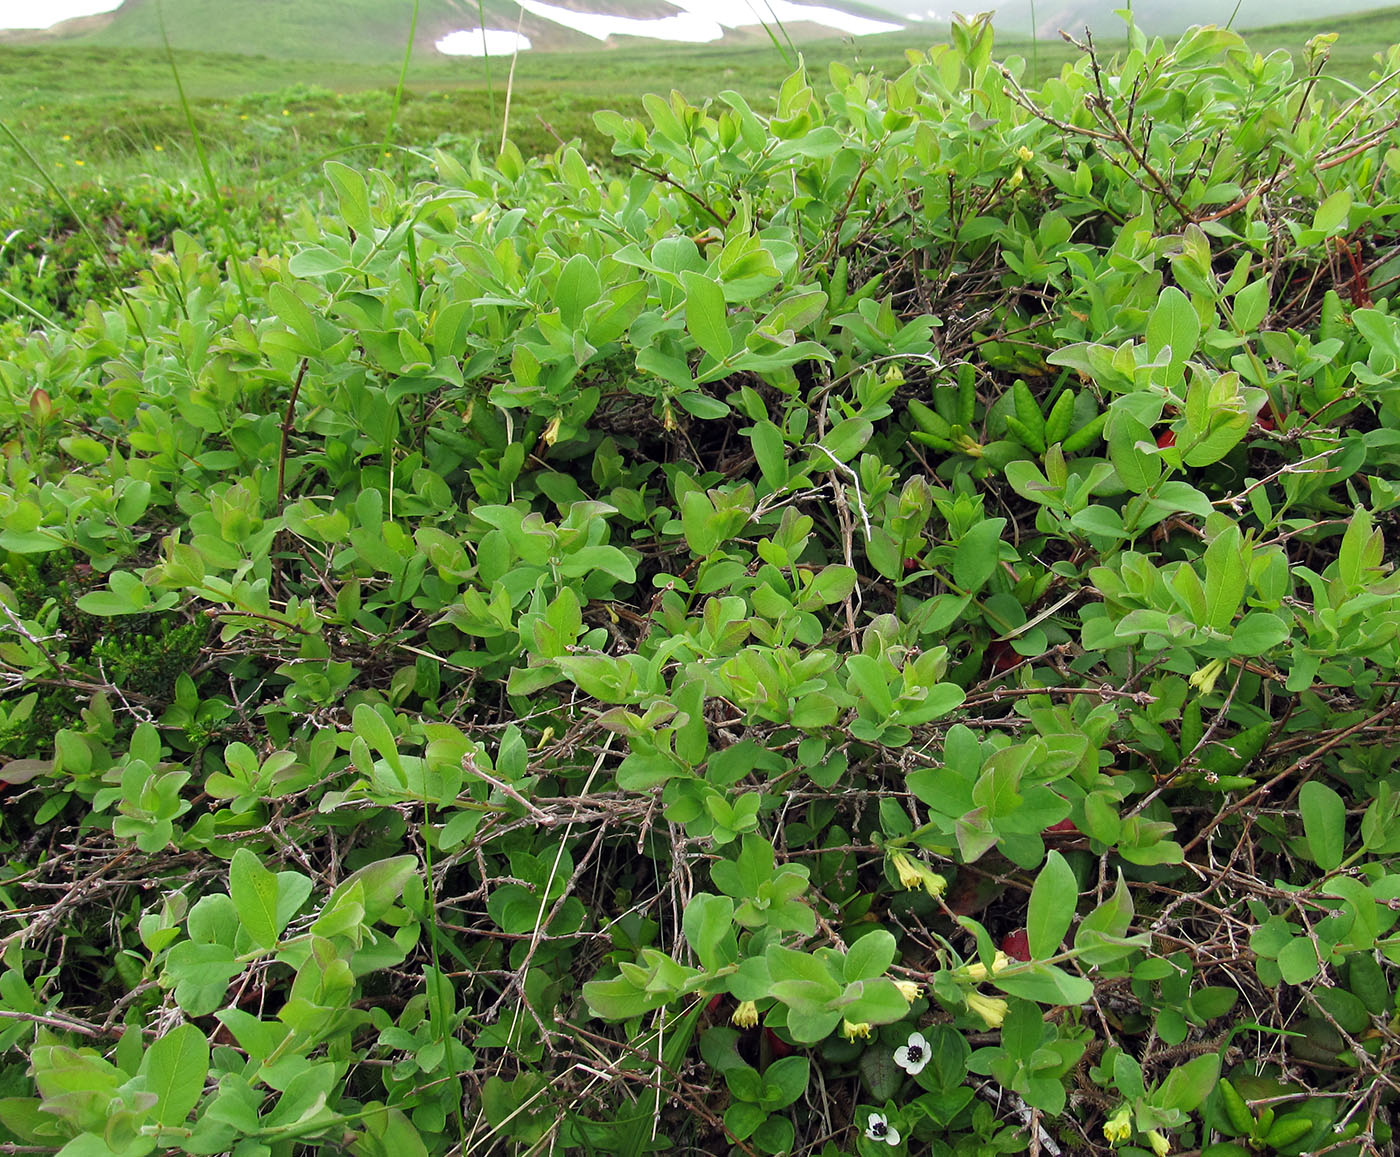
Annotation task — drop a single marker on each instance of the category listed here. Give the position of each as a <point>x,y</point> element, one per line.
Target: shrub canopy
<point>567,621</point>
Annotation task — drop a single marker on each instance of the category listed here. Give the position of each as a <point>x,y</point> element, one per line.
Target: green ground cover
<point>860,619</point>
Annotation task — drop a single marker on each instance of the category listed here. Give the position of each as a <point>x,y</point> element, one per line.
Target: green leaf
<point>1188,1085</point>
<point>254,892</point>
<point>1331,215</point>
<point>1324,823</point>
<point>1102,936</point>
<point>833,583</point>
<point>175,1068</point>
<point>1173,324</point>
<point>1251,304</point>
<point>1054,898</point>
<point>699,523</point>
<point>1297,960</point>
<point>1130,451</point>
<point>128,596</point>
<point>579,287</point>
<point>784,1081</point>
<point>352,196</point>
<point>977,554</point>
<point>875,1001</point>
<point>1045,983</point>
<point>706,315</point>
<point>369,725</point>
<point>771,452</point>
<point>1101,520</point>
<point>742,1118</point>
<point>1258,633</point>
<point>708,922</point>
<point>869,956</point>
<point>842,442</point>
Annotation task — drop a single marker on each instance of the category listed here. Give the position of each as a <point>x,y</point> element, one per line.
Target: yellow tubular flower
<point>1119,1126</point>
<point>1204,679</point>
<point>1160,1145</point>
<point>992,1009</point>
<point>851,1031</point>
<point>978,971</point>
<point>935,884</point>
<point>909,990</point>
<point>909,875</point>
<point>746,1015</point>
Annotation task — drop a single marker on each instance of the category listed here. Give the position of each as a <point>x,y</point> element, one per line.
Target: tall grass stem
<point>486,56</point>
<point>97,246</point>
<point>235,257</point>
<point>510,83</point>
<point>403,83</point>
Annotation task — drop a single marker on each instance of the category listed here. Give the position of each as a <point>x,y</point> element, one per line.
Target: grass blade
<point>235,257</point>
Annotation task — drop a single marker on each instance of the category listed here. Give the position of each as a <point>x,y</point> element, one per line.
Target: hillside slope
<point>377,30</point>
<point>1158,17</point>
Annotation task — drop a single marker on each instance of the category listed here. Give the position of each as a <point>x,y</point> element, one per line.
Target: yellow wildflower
<point>979,972</point>
<point>1119,1126</point>
<point>1204,679</point>
<point>859,1029</point>
<point>1160,1145</point>
<point>909,875</point>
<point>1025,154</point>
<point>992,1009</point>
<point>746,1015</point>
<point>914,874</point>
<point>909,990</point>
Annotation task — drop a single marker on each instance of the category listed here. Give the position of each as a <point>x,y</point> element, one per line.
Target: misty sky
<point>42,13</point>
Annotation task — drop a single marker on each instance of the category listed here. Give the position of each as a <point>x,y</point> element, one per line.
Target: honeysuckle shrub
<point>865,630</point>
<point>58,252</point>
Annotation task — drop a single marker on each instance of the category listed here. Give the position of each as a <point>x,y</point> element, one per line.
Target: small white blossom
<point>879,1129</point>
<point>912,1056</point>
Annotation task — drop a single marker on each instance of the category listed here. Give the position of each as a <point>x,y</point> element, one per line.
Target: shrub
<point>696,611</point>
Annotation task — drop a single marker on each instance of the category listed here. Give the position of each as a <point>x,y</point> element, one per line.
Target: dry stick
<point>667,179</point>
<point>1302,761</point>
<point>67,1024</point>
<point>510,80</point>
<point>1371,138</point>
<point>67,900</point>
<point>698,1107</point>
<point>543,920</point>
<point>287,424</point>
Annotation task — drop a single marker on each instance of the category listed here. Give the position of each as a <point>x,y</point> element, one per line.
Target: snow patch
<point>704,21</point>
<point>47,13</point>
<point>475,42</point>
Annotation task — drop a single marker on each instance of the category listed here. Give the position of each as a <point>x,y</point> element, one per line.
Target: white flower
<point>879,1129</point>
<point>912,1056</point>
